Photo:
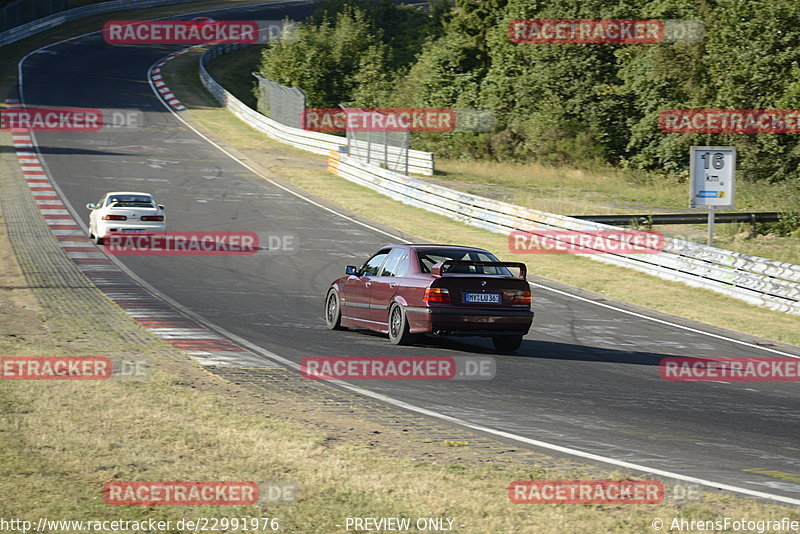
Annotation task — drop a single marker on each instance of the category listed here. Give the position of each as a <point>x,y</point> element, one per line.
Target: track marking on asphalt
<point>389,400</point>
<point>444,417</point>
<point>642,316</point>
<point>662,321</point>
<point>95,265</point>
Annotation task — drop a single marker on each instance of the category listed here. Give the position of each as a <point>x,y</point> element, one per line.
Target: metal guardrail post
<point>710,239</point>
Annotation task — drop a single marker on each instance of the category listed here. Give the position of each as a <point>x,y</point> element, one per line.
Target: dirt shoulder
<point>61,441</point>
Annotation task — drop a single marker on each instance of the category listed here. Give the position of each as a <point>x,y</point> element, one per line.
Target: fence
<point>759,281</point>
<point>384,149</point>
<point>281,103</point>
<point>419,162</point>
<point>763,282</point>
<point>768,283</point>
<point>33,27</point>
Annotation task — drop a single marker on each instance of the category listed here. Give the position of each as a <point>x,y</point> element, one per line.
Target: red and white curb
<point>171,326</point>
<point>161,87</point>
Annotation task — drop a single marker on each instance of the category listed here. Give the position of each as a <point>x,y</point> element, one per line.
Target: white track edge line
<point>387,399</point>
<point>455,420</point>
<point>532,283</point>
<point>444,417</point>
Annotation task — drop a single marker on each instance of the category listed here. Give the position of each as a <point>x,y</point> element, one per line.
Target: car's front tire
<point>333,312</point>
<point>507,344</point>
<point>399,333</point>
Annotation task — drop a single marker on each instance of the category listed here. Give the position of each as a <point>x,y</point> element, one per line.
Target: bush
<point>559,103</point>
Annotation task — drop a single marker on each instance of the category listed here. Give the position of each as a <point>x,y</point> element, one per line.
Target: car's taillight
<point>522,298</point>
<point>114,218</point>
<point>152,217</point>
<point>436,294</point>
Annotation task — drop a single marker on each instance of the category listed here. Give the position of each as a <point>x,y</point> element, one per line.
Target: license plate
<point>482,298</point>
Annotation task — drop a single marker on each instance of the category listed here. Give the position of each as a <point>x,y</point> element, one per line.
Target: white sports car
<point>125,211</point>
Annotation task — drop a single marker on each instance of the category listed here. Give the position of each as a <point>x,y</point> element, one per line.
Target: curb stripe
<point>165,322</point>
<point>157,80</point>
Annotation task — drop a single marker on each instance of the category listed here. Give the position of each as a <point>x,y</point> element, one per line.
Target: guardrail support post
<point>711,226</point>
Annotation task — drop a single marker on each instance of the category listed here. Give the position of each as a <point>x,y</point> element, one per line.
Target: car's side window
<point>374,264</point>
<point>396,264</point>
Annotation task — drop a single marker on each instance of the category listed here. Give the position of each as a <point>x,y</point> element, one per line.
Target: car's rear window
<point>429,258</point>
<point>131,201</point>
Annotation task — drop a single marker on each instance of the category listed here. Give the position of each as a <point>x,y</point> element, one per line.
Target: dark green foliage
<point>332,61</point>
<point>561,103</point>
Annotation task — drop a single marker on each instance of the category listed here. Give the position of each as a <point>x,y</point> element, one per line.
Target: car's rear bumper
<point>469,321</point>
<point>105,229</point>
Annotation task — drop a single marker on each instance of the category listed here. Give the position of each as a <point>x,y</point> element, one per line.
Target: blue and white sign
<point>713,176</point>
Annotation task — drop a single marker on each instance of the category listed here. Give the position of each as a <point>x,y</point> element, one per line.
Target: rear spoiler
<point>440,269</point>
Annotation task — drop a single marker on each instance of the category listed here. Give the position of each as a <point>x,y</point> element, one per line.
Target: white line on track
<point>481,428</point>
<point>390,400</point>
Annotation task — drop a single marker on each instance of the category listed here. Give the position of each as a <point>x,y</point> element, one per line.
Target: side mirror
<point>351,270</point>
<point>91,207</point>
<point>161,207</point>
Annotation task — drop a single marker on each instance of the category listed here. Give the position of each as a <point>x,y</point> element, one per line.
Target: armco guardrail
<point>768,283</point>
<point>56,19</point>
<point>682,218</point>
<point>758,281</point>
<point>419,162</point>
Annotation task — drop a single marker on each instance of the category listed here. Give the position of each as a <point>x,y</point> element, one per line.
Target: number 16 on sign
<point>713,176</point>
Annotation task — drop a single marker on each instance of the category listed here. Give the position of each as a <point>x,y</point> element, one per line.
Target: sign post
<point>713,177</point>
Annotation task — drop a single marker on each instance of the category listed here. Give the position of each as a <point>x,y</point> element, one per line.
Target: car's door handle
<point>393,284</point>
<point>367,284</point>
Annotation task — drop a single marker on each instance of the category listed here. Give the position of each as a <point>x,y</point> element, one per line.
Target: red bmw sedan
<point>444,290</point>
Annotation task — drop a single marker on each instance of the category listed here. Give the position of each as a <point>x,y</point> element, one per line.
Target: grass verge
<point>616,282</point>
<point>60,442</point>
<point>607,191</point>
<point>600,190</point>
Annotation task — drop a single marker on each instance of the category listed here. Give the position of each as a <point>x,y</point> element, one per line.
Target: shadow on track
<point>531,348</point>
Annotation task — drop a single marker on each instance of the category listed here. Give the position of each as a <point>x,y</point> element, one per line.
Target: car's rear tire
<point>507,344</point>
<point>399,333</point>
<point>333,312</point>
<point>97,240</point>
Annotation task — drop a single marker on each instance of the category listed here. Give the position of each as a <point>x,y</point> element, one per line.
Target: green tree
<point>326,60</point>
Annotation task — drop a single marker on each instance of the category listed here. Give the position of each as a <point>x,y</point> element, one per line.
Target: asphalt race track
<point>585,378</point>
